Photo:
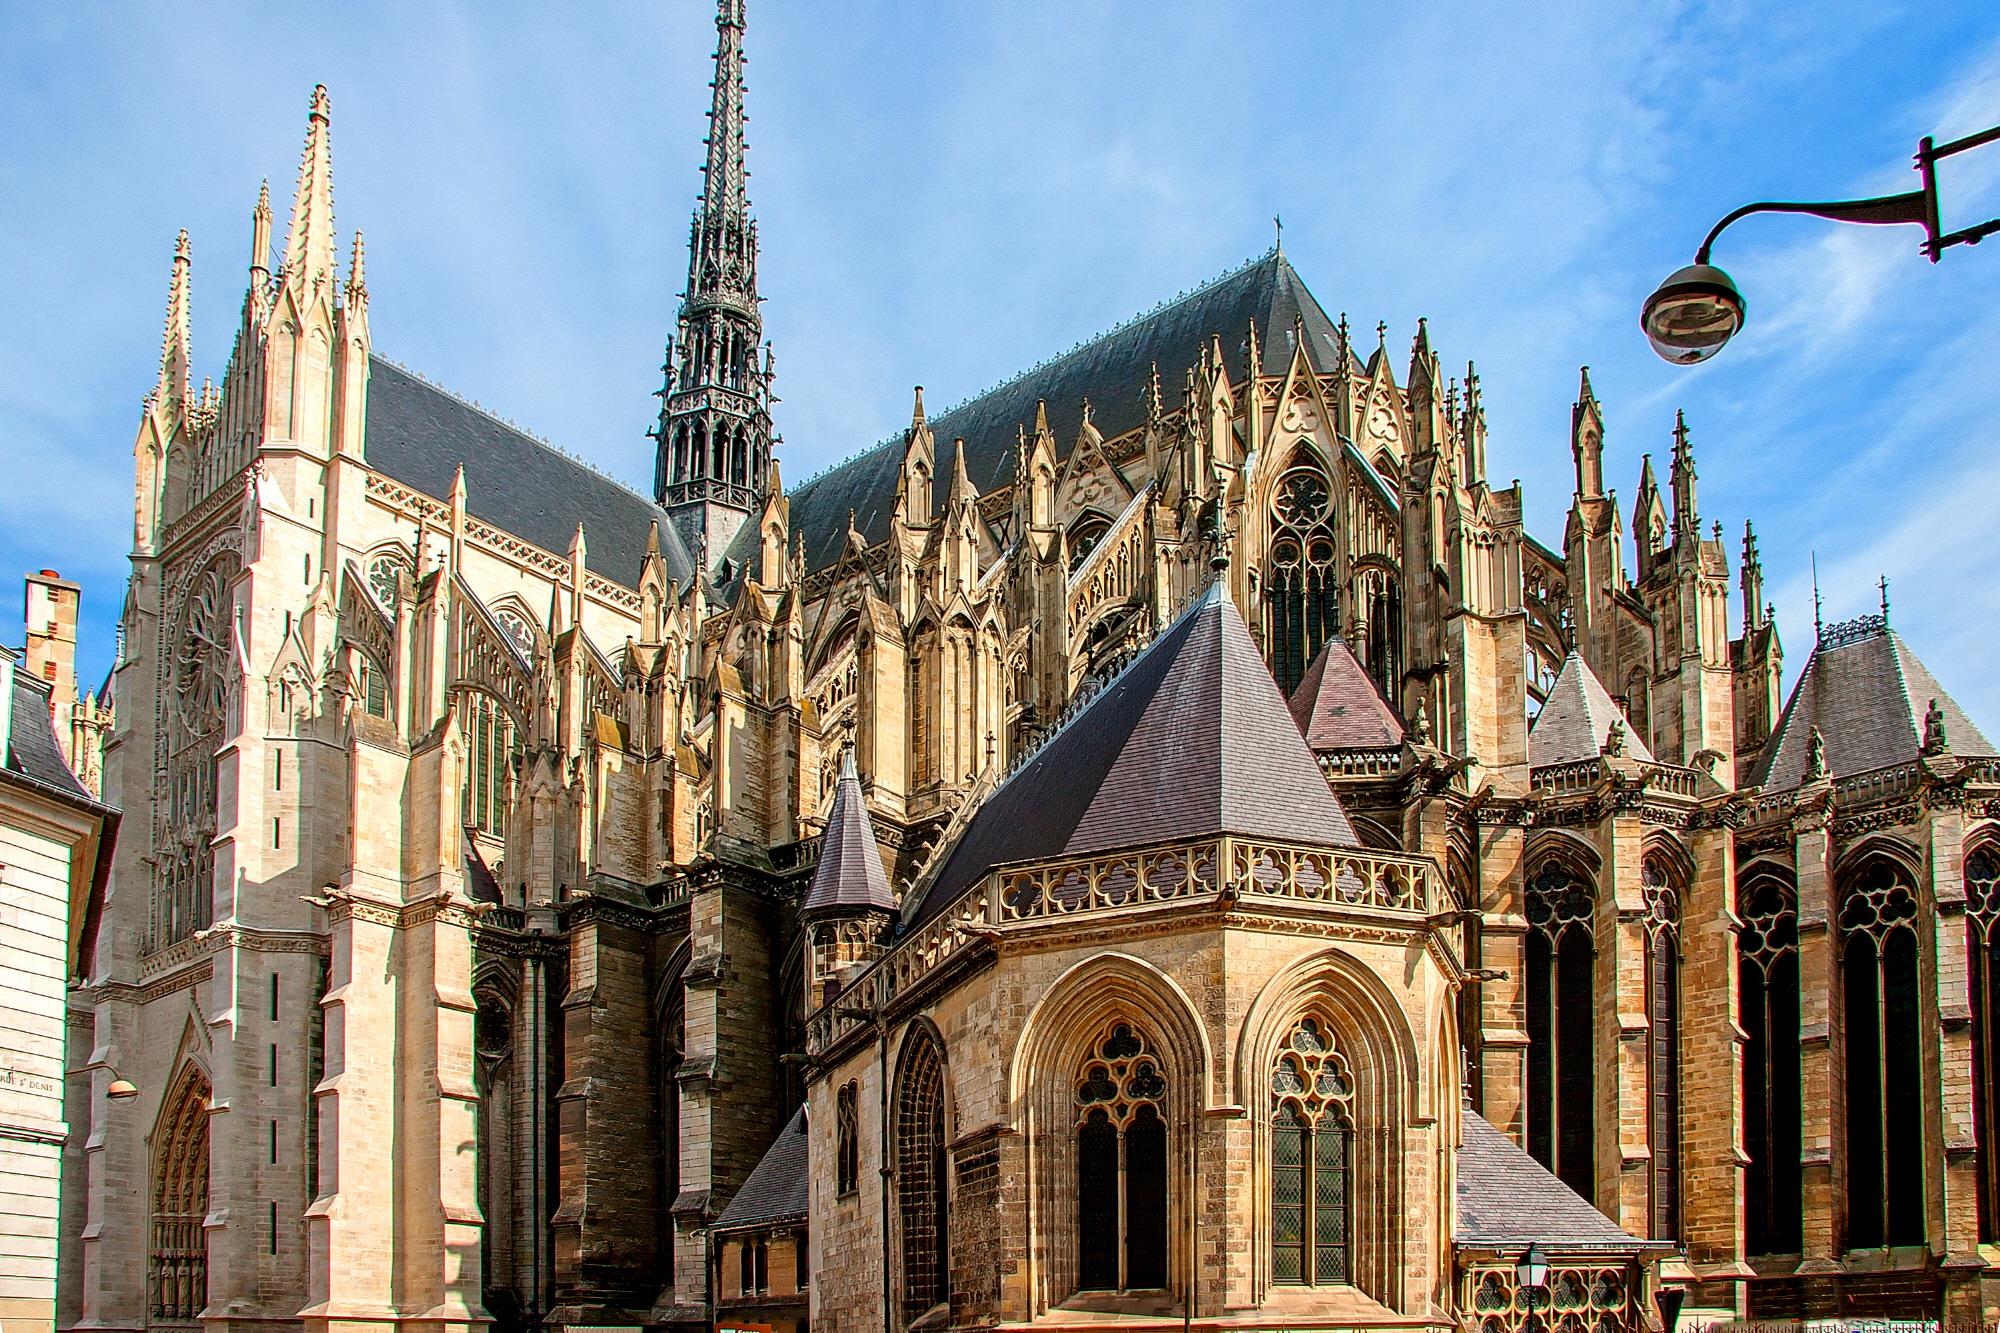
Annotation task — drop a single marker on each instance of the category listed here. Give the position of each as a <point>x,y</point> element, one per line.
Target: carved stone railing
<point>1116,568</point>
<point>1362,763</point>
<point>1983,771</point>
<point>1883,784</point>
<point>1674,781</point>
<point>1577,775</point>
<point>1111,884</point>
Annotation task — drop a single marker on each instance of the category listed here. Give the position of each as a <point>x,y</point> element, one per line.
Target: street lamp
<point>1697,309</point>
<point>1531,1275</point>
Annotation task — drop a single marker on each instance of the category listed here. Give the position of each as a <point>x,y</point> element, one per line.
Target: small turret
<point>1687,518</point>
<point>1752,582</point>
<point>1586,440</point>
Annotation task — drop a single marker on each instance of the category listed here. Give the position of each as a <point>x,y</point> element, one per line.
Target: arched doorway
<point>178,1268</point>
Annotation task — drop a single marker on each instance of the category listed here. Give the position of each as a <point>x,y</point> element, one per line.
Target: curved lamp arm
<point>1919,206</point>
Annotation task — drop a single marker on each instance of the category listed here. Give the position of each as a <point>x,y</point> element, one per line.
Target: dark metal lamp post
<point>1698,309</point>
<point>1531,1276</point>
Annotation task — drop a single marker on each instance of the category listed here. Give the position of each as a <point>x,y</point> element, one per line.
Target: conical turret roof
<point>1867,694</point>
<point>1576,721</point>
<point>1338,707</point>
<point>850,871</point>
<point>1191,740</point>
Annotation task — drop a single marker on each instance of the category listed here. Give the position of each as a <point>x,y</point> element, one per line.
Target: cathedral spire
<point>172,388</point>
<point>1687,522</point>
<point>714,434</point>
<point>309,239</point>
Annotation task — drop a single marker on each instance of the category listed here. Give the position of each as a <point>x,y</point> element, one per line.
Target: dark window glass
<point>1097,1203</point>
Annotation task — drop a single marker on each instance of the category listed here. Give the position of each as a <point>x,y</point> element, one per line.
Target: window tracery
<point>921,1181</point>
<point>1121,1174</point>
<point>1982,958</point>
<point>847,1139</point>
<point>1561,1069</point>
<point>1312,1133</point>
<point>1662,895</point>
<point>385,576</point>
<point>193,716</point>
<point>1885,1133</point>
<point>1301,575</point>
<point>489,755</point>
<point>1767,951</point>
<point>518,631</point>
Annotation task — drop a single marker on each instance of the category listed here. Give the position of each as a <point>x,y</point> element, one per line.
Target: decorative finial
<point>1883,584</point>
<point>1279,223</point>
<point>1819,618</point>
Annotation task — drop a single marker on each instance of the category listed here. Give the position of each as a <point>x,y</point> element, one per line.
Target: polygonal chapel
<point>1156,844</point>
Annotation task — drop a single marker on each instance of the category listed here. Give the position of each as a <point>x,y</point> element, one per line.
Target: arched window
<point>1301,578</point>
<point>385,573</point>
<point>1562,1077</point>
<point>1312,1139</point>
<point>921,1201</point>
<point>1982,971</point>
<point>178,1274</point>
<point>1885,1127</point>
<point>489,750</point>
<point>1767,968</point>
<point>1385,635</point>
<point>373,687</point>
<point>1663,1028</point>
<point>847,1139</point>
<point>1121,1167</point>
<point>493,1073</point>
<point>1084,536</point>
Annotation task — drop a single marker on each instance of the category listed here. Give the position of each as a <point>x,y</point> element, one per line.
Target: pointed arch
<point>1561,907</point>
<point>1062,1031</point>
<point>177,1277</point>
<point>1880,944</point>
<point>1767,973</point>
<point>1386,1096</point>
<point>923,1128</point>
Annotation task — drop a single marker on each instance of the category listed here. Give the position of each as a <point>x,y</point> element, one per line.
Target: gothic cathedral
<point>1157,844</point>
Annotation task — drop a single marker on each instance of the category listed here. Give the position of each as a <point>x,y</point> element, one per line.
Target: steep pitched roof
<point>1867,693</point>
<point>779,1188</point>
<point>32,752</point>
<point>1507,1200</point>
<point>1111,371</point>
<point>1191,740</point>
<point>419,434</point>
<point>849,873</point>
<point>1338,707</point>
<point>1576,720</point>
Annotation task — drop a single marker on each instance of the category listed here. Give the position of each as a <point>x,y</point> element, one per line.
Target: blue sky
<point>950,192</point>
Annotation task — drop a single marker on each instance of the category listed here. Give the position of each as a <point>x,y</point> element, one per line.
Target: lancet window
<point>1301,575</point>
<point>1312,1141</point>
<point>178,1261</point>
<point>489,752</point>
<point>1121,1166</point>
<point>373,687</point>
<point>1885,1131</point>
<point>1982,959</point>
<point>847,1139</point>
<point>921,1201</point>
<point>1561,1070</point>
<point>1767,967</point>
<point>193,714</point>
<point>1663,1063</point>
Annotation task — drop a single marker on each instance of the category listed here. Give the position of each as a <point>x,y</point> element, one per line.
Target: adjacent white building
<point>53,839</point>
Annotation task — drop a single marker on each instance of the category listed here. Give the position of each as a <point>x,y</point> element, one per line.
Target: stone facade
<point>54,837</point>
<point>458,950</point>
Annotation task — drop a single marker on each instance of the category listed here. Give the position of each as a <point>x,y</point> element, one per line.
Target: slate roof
<point>1508,1201</point>
<point>1112,371</point>
<point>1576,720</point>
<point>1867,693</point>
<point>1338,707</point>
<point>1191,740</point>
<point>32,751</point>
<point>849,873</point>
<point>419,434</point>
<point>779,1188</point>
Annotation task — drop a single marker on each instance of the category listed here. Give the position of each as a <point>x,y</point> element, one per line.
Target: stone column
<point>1953,1209</point>
<point>1711,1067</point>
<point>1822,1087</point>
<point>1503,1000</point>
